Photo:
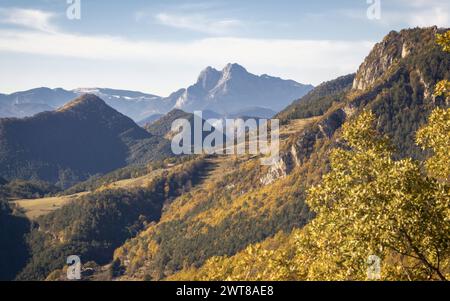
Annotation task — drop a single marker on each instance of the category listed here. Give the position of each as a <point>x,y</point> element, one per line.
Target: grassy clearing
<point>37,207</point>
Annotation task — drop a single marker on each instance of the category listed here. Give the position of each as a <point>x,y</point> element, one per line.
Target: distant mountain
<point>235,89</point>
<point>150,119</point>
<point>225,92</point>
<point>163,127</point>
<point>256,112</point>
<point>82,138</point>
<point>30,102</point>
<point>136,105</point>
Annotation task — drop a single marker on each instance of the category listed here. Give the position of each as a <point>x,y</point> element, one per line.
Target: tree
<point>436,136</point>
<point>443,87</point>
<point>370,204</point>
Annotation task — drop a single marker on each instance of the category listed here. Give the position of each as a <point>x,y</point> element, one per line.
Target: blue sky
<point>159,46</point>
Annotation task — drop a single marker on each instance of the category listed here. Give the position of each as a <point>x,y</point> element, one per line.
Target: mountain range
<point>227,217</point>
<point>228,92</point>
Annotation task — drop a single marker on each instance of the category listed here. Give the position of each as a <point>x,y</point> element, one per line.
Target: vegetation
<point>319,100</point>
<point>100,222</point>
<point>369,204</point>
<point>372,202</point>
<point>20,189</point>
<point>84,138</point>
<point>220,217</point>
<point>13,250</point>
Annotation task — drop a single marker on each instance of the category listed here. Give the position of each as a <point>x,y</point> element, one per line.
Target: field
<point>34,208</point>
<point>37,207</point>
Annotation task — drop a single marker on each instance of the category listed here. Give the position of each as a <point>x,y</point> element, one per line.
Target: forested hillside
<point>99,222</point>
<point>13,251</point>
<point>378,181</point>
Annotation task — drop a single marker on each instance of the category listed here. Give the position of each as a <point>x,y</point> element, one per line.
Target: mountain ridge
<point>234,88</point>
<point>231,89</point>
<point>82,138</point>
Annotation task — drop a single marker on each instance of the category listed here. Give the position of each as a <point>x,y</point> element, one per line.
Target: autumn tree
<point>443,87</point>
<point>436,136</point>
<point>370,204</point>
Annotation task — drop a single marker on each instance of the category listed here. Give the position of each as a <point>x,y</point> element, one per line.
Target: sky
<point>160,46</point>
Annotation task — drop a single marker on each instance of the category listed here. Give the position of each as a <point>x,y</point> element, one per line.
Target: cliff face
<point>396,81</point>
<point>395,47</point>
<point>300,151</point>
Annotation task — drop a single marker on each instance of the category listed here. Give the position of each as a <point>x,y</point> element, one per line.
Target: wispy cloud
<point>28,18</point>
<point>307,61</point>
<point>199,23</point>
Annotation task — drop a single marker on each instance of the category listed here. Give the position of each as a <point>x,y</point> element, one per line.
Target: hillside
<point>249,204</point>
<point>319,100</point>
<point>84,137</point>
<point>230,218</point>
<point>96,223</point>
<point>14,252</point>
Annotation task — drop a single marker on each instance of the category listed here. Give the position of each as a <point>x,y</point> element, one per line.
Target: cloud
<point>303,60</point>
<point>169,65</point>
<point>28,18</point>
<point>198,22</point>
<point>428,17</point>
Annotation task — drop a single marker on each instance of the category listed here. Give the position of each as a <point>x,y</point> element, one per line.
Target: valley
<point>362,171</point>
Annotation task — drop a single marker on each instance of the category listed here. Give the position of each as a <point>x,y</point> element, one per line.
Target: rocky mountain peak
<point>231,70</point>
<point>395,47</point>
<point>208,78</point>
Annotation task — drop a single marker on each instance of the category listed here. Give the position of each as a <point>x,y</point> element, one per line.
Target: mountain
<point>229,91</point>
<point>235,89</point>
<point>255,112</point>
<point>150,119</point>
<point>228,217</point>
<point>319,100</point>
<point>31,102</point>
<point>253,211</point>
<point>136,105</point>
<point>82,138</point>
<point>163,126</point>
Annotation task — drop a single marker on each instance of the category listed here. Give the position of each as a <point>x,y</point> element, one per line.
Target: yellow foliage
<point>444,40</point>
<point>436,136</point>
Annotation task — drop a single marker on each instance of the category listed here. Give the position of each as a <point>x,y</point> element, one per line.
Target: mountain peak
<point>234,89</point>
<point>395,47</point>
<point>85,100</point>
<point>234,68</point>
<point>209,77</point>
